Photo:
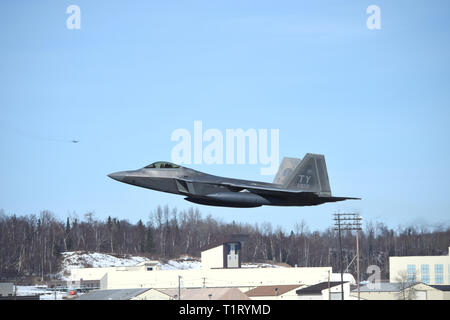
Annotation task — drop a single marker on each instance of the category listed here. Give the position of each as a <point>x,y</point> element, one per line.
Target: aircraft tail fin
<point>285,170</point>
<point>310,175</point>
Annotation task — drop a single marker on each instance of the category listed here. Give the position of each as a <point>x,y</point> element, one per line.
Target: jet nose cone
<point>119,176</point>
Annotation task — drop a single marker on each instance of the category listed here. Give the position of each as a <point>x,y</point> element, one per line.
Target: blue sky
<point>375,102</point>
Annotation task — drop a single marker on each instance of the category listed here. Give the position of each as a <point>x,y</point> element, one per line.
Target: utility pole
<point>337,226</point>
<point>357,262</point>
<point>329,286</point>
<point>348,222</point>
<point>179,287</point>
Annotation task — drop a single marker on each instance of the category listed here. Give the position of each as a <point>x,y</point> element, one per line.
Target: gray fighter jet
<point>298,182</point>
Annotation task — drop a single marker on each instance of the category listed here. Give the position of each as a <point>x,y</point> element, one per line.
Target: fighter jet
<point>298,182</point>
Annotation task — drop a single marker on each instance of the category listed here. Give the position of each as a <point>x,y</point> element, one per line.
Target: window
<point>232,248</point>
<point>439,274</point>
<point>162,165</point>
<point>425,273</point>
<point>411,272</point>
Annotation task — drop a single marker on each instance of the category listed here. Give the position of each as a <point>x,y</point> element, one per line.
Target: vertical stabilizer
<point>285,170</point>
<point>310,175</point>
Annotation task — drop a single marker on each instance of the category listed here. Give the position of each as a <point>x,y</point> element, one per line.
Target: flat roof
<point>385,287</point>
<point>273,290</point>
<point>441,287</point>
<point>115,294</point>
<point>224,293</point>
<point>317,288</point>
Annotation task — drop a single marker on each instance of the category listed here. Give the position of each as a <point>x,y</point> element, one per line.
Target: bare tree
<point>406,286</point>
<point>30,245</point>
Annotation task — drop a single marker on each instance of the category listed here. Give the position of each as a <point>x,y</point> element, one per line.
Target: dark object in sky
<point>75,141</point>
<point>299,182</point>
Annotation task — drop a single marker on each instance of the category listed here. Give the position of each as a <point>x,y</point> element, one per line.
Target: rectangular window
<point>425,273</point>
<point>411,272</point>
<point>439,274</point>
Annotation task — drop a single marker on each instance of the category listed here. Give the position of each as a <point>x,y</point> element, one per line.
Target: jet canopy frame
<point>162,165</point>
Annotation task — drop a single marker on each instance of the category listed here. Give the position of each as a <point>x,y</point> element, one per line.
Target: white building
<point>80,276</point>
<point>433,270</point>
<point>221,267</point>
<point>6,289</point>
<point>165,294</point>
<point>225,254</point>
<point>401,291</point>
<point>244,278</point>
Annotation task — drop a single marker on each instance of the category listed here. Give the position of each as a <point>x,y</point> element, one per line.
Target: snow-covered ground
<point>81,259</point>
<point>78,259</point>
<point>183,263</point>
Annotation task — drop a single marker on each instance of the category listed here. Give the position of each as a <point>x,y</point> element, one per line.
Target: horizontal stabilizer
<point>336,199</point>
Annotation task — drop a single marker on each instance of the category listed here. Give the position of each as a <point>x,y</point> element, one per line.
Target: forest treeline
<point>30,245</point>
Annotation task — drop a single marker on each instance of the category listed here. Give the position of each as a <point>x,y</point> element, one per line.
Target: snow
<point>183,263</point>
<point>80,259</point>
<point>260,265</point>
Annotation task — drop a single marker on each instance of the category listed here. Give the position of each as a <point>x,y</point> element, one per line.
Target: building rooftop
<point>385,286</point>
<point>441,287</point>
<point>117,294</point>
<point>206,293</point>
<point>148,263</point>
<point>317,288</point>
<point>441,255</point>
<point>227,239</point>
<point>269,291</point>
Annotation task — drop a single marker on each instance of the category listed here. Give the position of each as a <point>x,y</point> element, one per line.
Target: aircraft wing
<point>237,187</point>
<point>266,190</point>
<point>263,190</point>
<point>282,192</point>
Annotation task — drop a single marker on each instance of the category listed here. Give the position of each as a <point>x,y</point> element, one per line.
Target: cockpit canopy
<point>162,165</point>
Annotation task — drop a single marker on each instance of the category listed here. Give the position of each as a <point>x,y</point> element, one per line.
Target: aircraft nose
<point>119,176</point>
